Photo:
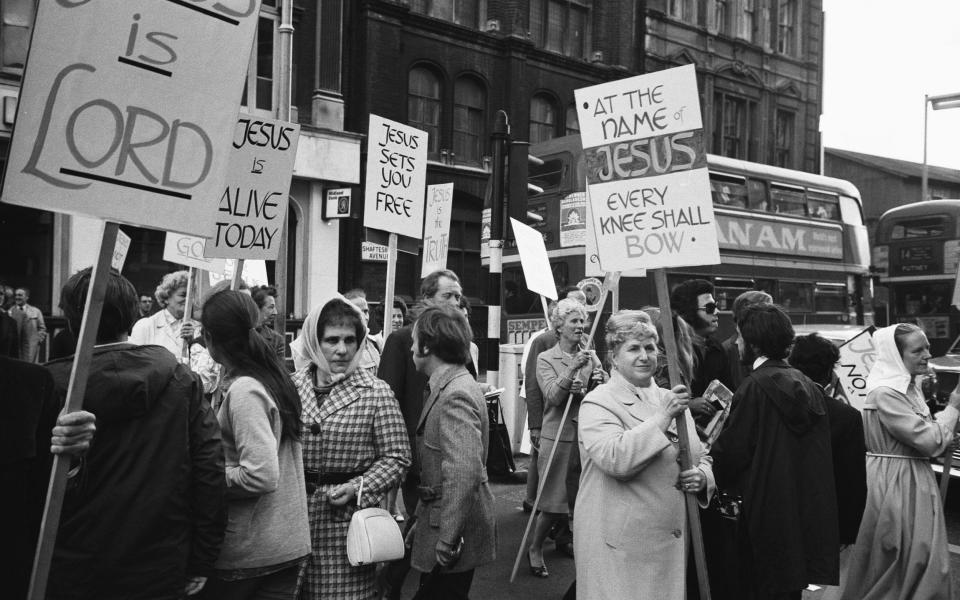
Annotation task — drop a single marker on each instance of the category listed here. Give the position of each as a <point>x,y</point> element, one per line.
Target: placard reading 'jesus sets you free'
<point>647,172</point>
<point>396,178</point>
<point>127,109</point>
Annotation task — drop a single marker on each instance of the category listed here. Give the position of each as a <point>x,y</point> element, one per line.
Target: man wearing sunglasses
<point>693,302</point>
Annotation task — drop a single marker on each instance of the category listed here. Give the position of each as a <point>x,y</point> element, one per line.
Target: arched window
<point>423,105</point>
<point>543,119</point>
<point>469,100</point>
<point>573,122</point>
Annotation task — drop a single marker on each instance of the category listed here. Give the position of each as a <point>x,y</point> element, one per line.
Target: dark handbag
<point>726,505</point>
<point>499,452</point>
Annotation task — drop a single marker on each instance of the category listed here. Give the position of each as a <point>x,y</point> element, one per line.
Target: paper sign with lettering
<point>252,206</point>
<point>120,250</point>
<point>534,260</point>
<point>436,228</point>
<point>187,250</point>
<point>254,273</point>
<point>121,115</point>
<point>396,178</point>
<point>647,172</point>
<point>857,356</point>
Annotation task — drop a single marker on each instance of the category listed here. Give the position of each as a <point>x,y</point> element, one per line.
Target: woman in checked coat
<point>351,428</point>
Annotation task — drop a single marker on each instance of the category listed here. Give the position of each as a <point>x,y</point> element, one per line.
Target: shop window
<point>423,106</point>
<point>468,106</point>
<point>543,119</point>
<point>16,22</point>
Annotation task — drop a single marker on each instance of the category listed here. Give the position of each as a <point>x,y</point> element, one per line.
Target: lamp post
<point>941,102</point>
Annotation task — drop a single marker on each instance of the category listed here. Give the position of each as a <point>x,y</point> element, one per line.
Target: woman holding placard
<point>564,371</point>
<point>901,550</point>
<point>630,526</point>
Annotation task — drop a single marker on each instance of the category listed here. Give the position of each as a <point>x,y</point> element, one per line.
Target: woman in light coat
<point>630,526</point>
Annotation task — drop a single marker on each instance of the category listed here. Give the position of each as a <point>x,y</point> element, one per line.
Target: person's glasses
<point>709,308</point>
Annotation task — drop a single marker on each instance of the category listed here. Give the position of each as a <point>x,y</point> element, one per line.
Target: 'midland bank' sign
<point>755,235</point>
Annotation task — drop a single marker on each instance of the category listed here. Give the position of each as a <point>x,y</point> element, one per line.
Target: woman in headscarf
<point>352,432</point>
<point>901,550</point>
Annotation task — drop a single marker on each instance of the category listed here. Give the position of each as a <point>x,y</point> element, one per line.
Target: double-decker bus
<point>916,253</point>
<point>796,235</point>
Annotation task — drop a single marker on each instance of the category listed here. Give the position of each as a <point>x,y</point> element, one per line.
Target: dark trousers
<point>445,586</point>
<point>281,585</point>
<point>395,572</point>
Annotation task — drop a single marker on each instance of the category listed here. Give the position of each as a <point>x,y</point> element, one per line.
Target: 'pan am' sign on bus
<point>121,116</point>
<point>646,172</point>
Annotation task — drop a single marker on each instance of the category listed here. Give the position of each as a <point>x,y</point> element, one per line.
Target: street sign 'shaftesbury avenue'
<point>647,172</point>
<point>128,108</point>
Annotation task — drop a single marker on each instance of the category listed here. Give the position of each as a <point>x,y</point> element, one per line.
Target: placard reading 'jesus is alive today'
<point>252,207</point>
<point>127,109</point>
<point>396,178</point>
<point>647,172</point>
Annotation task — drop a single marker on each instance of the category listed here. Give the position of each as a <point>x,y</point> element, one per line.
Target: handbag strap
<point>360,492</point>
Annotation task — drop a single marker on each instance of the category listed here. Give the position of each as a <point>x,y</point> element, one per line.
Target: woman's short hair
<point>749,298</point>
<point>565,308</point>
<point>815,357</point>
<point>768,328</point>
<point>628,325</point>
<point>339,312</point>
<point>902,332</point>
<point>170,283</point>
<point>445,332</point>
<point>260,294</point>
<point>119,304</point>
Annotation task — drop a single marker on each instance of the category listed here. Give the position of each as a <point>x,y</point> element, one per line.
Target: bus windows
<point>550,175</point>
<point>725,291</point>
<point>728,191</point>
<point>788,200</point>
<point>821,205</point>
<point>928,298</point>
<point>919,228</point>
<point>850,211</point>
<point>795,297</point>
<point>830,298</point>
<point>757,195</point>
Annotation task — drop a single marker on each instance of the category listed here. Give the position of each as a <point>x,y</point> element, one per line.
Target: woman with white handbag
<point>355,448</point>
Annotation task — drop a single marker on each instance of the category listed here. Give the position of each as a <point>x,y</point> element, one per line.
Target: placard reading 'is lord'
<point>396,178</point>
<point>127,109</point>
<point>646,172</point>
<point>252,207</point>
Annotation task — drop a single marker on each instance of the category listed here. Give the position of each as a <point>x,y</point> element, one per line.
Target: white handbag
<point>373,536</point>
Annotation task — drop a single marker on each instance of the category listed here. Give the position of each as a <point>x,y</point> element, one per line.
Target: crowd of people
<point>202,467</point>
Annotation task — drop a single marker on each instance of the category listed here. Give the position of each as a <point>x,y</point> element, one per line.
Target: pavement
<point>492,582</point>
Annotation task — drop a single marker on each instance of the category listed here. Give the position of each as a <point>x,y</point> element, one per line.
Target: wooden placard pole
<point>546,309</point>
<point>76,390</point>
<point>237,274</point>
<point>553,450</point>
<point>945,475</point>
<point>187,313</point>
<point>686,461</point>
<point>391,282</point>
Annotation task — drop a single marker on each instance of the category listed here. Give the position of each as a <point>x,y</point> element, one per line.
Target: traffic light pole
<point>500,140</point>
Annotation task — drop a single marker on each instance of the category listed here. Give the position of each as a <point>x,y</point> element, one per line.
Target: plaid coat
<point>361,429</point>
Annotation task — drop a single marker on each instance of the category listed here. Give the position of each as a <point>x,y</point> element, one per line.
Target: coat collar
<point>437,385</point>
<point>342,394</point>
<point>560,355</point>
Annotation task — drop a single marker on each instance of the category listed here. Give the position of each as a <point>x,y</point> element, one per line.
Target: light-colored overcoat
<point>452,436</point>
<point>630,526</point>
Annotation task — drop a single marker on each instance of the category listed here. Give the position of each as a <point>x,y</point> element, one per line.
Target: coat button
<point>677,533</point>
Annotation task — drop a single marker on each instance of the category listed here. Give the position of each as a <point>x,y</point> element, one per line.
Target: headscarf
<point>306,348</point>
<point>889,370</point>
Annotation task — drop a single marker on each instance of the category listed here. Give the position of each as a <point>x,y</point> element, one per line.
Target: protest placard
<point>646,172</point>
<point>436,228</point>
<point>120,250</point>
<point>121,116</point>
<point>857,357</point>
<point>534,260</point>
<point>396,178</point>
<point>252,206</point>
<point>188,250</point>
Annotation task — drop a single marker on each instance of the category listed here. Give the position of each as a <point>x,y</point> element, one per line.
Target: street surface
<point>492,582</point>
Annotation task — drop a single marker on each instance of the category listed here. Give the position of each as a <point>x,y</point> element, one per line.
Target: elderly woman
<point>166,327</point>
<point>266,298</point>
<point>630,525</point>
<point>564,371</point>
<point>352,432</point>
<point>901,550</point>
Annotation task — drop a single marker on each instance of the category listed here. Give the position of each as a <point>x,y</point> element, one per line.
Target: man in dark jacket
<point>145,516</point>
<point>776,452</point>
